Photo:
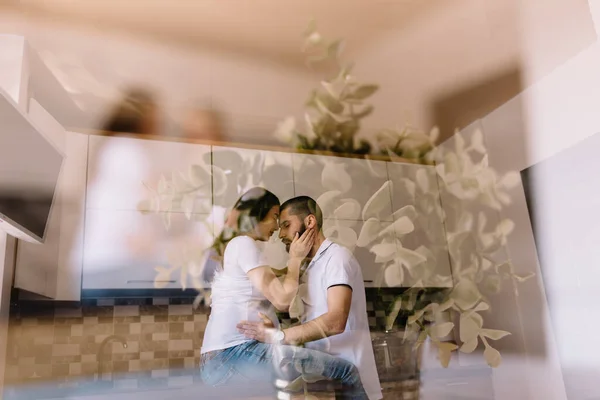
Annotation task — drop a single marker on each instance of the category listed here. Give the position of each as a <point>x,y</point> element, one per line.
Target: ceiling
<point>270,28</point>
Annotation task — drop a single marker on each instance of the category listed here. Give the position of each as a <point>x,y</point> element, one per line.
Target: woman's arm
<point>281,292</point>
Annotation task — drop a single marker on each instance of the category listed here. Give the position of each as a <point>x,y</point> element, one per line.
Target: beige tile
<point>200,318</point>
<point>75,369</point>
<point>160,336</point>
<point>147,319</point>
<point>176,345</point>
<point>132,347</point>
<point>88,358</point>
<point>26,361</point>
<point>156,327</point>
<point>188,326</point>
<point>180,309</point>
<point>135,328</point>
<point>189,362</point>
<point>134,365</point>
<point>146,355</point>
<point>77,330</point>
<point>65,349</point>
<point>126,311</point>
<point>90,320</point>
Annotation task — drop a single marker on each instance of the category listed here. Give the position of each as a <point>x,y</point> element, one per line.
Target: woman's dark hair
<point>252,207</point>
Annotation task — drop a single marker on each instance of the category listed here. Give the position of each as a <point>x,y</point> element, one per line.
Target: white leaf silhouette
<point>510,180</point>
<point>391,317</point>
<point>369,232</point>
<point>285,130</point>
<point>422,180</point>
<point>187,205</point>
<point>326,201</point>
<point>477,142</point>
<point>394,275</point>
<point>335,176</point>
<point>470,325</point>
<point>409,258</point>
<point>378,202</point>
<point>465,294</point>
<point>406,211</point>
<point>470,346</point>
<point>494,334</point>
<point>400,227</point>
<point>492,357</point>
<point>411,187</point>
<point>199,175</point>
<point>384,252</point>
<point>438,331</point>
<point>445,352</point>
<point>349,210</point>
<point>219,181</point>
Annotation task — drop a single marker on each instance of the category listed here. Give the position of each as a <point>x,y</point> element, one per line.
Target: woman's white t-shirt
<point>233,297</point>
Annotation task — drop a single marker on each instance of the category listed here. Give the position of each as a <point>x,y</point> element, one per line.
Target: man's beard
<point>300,232</point>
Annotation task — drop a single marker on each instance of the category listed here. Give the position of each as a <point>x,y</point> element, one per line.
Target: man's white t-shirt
<point>233,297</point>
<point>335,265</point>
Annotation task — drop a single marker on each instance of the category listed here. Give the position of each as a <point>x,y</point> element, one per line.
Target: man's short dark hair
<point>303,206</point>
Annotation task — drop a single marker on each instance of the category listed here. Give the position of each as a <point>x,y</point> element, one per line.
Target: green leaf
<point>335,48</point>
<point>364,112</point>
<point>363,91</point>
<point>494,334</point>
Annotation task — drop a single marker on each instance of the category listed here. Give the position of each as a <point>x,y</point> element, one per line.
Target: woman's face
<point>266,227</point>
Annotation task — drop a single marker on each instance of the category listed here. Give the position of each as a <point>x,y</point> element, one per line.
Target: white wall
<point>94,66</point>
<point>559,109</point>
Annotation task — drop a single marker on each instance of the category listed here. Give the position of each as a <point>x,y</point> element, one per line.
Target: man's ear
<point>310,221</point>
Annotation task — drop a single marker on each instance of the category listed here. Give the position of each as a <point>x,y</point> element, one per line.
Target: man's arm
<point>333,322</point>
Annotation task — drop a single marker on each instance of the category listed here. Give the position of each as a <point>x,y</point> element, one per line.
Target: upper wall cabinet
<point>237,170</point>
<point>344,186</point>
<point>125,173</point>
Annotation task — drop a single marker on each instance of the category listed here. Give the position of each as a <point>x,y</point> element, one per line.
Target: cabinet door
<point>125,237</point>
<point>124,172</point>
<point>244,169</point>
<point>123,248</point>
<point>417,186</point>
<point>53,269</point>
<point>334,181</point>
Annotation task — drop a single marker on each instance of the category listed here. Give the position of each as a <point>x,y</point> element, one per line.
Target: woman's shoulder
<point>242,241</point>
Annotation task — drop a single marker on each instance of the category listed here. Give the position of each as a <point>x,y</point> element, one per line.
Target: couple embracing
<point>243,343</point>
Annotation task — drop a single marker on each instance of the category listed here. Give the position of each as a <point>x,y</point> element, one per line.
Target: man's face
<point>289,225</point>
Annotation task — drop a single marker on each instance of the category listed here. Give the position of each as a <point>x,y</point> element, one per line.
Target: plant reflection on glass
<point>454,187</point>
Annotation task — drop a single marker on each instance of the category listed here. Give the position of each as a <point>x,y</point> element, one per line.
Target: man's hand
<point>262,331</point>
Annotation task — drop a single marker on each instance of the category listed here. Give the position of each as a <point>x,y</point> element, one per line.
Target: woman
<point>245,288</point>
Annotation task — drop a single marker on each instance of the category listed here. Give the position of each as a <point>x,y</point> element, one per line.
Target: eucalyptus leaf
<point>363,91</point>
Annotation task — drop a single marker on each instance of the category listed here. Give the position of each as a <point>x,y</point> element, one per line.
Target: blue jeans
<point>253,362</point>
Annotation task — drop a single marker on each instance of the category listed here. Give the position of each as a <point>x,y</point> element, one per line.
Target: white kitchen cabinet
<point>352,178</point>
<point>125,238</point>
<point>120,169</point>
<point>53,269</point>
<point>123,248</point>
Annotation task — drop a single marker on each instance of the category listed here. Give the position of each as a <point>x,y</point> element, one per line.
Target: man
<point>335,315</point>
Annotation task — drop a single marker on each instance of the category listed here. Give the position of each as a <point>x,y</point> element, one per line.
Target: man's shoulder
<point>341,253</point>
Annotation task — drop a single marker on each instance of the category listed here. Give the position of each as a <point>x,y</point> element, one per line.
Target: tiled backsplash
<point>62,343</point>
<point>51,341</point>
